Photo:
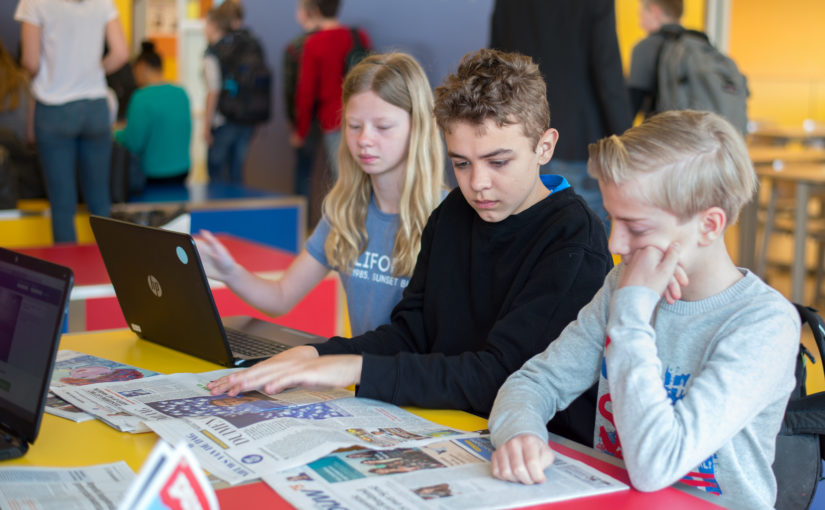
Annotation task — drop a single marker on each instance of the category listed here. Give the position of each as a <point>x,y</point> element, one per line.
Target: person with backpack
<point>326,56</point>
<point>238,83</point>
<point>675,69</point>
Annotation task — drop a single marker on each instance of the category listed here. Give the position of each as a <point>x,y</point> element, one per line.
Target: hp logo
<point>154,286</point>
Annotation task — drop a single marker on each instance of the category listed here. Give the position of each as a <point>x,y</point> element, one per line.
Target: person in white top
<point>62,44</point>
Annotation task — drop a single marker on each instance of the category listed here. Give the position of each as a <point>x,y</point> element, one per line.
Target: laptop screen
<point>33,298</point>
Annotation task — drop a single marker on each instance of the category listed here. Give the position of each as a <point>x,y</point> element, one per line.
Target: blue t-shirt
<point>372,290</point>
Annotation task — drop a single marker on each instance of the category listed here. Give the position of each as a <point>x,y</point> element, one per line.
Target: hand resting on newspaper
<point>522,459</point>
<point>299,366</point>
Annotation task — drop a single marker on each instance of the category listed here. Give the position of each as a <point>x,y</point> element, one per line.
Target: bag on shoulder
<point>358,52</point>
<point>246,91</point>
<point>692,74</point>
<point>800,445</point>
<point>290,70</point>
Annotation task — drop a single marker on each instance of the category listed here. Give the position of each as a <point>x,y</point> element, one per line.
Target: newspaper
<point>243,437</point>
<point>101,487</point>
<point>448,475</point>
<point>77,369</point>
<point>108,401</point>
<point>245,447</point>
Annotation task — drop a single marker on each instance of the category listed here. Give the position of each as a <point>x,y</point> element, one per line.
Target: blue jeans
<point>305,161</point>
<point>73,133</point>
<point>587,187</point>
<point>227,154</point>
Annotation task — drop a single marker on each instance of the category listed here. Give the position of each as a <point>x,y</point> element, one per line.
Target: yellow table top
<point>62,442</point>
<point>771,155</point>
<point>813,173</point>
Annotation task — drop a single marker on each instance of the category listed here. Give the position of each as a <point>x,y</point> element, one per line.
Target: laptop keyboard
<point>250,346</point>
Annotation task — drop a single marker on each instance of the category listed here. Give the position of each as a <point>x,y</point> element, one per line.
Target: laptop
<point>164,294</point>
<point>34,297</point>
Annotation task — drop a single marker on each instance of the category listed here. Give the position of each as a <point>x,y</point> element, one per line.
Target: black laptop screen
<point>33,296</point>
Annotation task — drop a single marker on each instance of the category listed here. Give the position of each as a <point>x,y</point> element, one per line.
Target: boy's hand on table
<point>299,366</point>
<point>522,459</point>
<point>660,271</point>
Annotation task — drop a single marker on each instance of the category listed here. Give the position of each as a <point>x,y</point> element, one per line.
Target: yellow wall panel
<point>784,102</point>
<point>124,8</point>
<point>780,51</point>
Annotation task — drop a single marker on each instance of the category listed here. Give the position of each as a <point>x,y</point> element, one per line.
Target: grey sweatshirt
<point>693,391</point>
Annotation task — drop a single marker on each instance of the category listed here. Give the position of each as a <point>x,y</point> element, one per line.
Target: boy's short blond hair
<point>673,9</point>
<point>507,88</point>
<point>690,161</point>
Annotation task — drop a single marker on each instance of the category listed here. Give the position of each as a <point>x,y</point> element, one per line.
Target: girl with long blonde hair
<point>391,177</point>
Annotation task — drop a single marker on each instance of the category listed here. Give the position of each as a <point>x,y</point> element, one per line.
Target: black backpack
<point>799,448</point>
<point>357,53</point>
<point>693,75</point>
<point>246,91</point>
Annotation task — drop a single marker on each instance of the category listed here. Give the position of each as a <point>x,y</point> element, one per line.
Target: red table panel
<point>317,313</point>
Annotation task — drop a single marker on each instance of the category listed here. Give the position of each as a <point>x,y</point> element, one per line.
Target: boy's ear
<point>546,145</point>
<point>712,224</point>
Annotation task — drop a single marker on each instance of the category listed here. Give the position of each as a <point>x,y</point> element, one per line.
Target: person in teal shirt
<point>158,123</point>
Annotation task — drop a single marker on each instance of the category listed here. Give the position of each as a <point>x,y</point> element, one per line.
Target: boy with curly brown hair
<point>506,262</point>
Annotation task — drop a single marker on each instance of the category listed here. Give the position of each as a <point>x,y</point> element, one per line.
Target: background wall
<point>780,47</point>
<point>9,29</point>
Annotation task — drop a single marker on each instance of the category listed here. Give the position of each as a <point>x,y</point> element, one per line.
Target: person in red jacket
<point>321,73</point>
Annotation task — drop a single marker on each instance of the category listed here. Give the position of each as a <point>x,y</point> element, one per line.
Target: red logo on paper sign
<point>182,491</point>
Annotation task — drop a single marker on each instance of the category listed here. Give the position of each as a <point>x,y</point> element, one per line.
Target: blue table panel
<point>276,226</point>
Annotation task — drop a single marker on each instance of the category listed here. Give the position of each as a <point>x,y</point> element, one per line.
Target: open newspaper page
<point>108,401</point>
<point>77,369</point>
<point>101,487</point>
<point>240,446</point>
<point>447,475</point>
<point>240,438</point>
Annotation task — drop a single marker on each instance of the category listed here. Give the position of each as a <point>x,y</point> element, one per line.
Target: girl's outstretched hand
<point>217,261</point>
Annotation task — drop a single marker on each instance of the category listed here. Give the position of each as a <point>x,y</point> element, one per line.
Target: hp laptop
<point>34,295</point>
<point>164,294</point>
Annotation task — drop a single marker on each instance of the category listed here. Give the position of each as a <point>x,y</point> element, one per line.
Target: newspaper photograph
<point>101,487</point>
<point>77,369</point>
<point>447,475</point>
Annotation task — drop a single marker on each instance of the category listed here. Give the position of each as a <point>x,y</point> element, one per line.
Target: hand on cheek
<point>660,271</point>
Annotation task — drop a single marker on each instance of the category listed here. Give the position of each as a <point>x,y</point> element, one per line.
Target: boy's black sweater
<point>483,298</point>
